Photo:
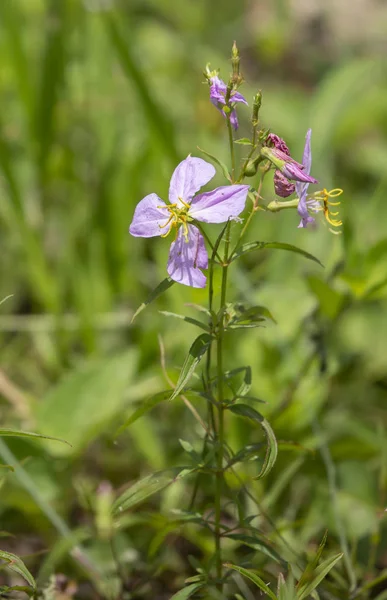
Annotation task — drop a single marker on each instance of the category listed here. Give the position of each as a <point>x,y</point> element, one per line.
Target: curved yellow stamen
<point>323,196</point>
<point>177,215</point>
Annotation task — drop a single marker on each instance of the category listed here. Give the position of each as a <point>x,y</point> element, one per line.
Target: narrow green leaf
<point>5,432</point>
<point>146,487</point>
<point>244,141</point>
<point>160,289</point>
<point>144,407</point>
<point>195,354</point>
<point>312,565</point>
<point>257,543</point>
<point>320,572</point>
<point>186,319</point>
<point>250,246</point>
<point>252,575</point>
<point>187,592</point>
<point>16,564</point>
<point>218,162</point>
<point>243,410</point>
<point>8,467</point>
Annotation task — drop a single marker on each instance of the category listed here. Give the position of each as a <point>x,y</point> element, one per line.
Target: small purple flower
<point>218,92</point>
<point>152,217</point>
<point>283,187</point>
<point>305,205</point>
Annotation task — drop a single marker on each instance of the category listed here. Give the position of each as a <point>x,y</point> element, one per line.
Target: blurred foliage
<point>100,100</point>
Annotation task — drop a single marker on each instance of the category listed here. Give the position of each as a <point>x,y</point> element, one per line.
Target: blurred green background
<point>100,100</point>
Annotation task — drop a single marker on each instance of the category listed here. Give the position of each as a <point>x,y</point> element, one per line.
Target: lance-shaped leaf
<point>187,592</point>
<point>243,410</point>
<point>317,576</point>
<point>217,162</point>
<point>250,246</point>
<point>160,289</point>
<point>16,564</point>
<point>146,487</point>
<point>144,407</point>
<point>254,577</point>
<point>5,432</point>
<point>195,354</point>
<point>257,543</point>
<point>190,320</point>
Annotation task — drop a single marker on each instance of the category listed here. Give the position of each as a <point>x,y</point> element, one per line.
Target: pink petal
<point>149,219</point>
<point>188,177</point>
<point>186,258</point>
<point>223,203</point>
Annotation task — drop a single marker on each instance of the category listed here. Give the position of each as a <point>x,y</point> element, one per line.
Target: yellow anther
<point>177,215</point>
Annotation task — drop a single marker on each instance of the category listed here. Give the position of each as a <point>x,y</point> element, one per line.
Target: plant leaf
<point>160,289</point>
<point>250,246</point>
<point>243,410</point>
<point>258,544</point>
<point>218,162</point>
<point>186,319</point>
<point>195,354</point>
<point>252,575</point>
<point>5,432</point>
<point>244,141</point>
<point>144,407</point>
<point>16,564</point>
<point>318,575</point>
<point>187,592</point>
<point>146,487</point>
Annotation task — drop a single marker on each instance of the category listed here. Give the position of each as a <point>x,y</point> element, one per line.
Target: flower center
<point>324,197</point>
<point>177,215</point>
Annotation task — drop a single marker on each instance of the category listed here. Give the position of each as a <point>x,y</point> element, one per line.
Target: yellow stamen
<point>177,215</point>
<point>323,196</point>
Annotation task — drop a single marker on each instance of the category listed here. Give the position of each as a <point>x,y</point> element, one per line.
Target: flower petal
<point>186,258</point>
<point>223,203</point>
<point>149,217</point>
<point>307,163</point>
<point>218,90</point>
<point>188,177</point>
<point>234,119</point>
<point>237,97</point>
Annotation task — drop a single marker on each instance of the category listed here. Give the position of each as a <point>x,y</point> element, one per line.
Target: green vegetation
<point>100,100</point>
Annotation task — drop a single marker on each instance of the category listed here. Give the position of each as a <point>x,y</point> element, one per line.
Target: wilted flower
<point>153,217</point>
<point>218,95</point>
<point>283,187</point>
<point>287,165</point>
<point>277,142</point>
<point>319,201</point>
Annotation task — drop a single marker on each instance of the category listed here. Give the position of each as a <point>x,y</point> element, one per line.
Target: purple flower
<point>218,92</point>
<point>305,205</point>
<point>283,187</point>
<point>153,217</point>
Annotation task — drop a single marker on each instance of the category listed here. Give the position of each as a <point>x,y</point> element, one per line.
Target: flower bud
<point>257,101</point>
<point>252,166</point>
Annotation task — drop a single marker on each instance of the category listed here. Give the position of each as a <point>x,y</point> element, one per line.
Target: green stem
<point>232,150</point>
<point>220,407</point>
